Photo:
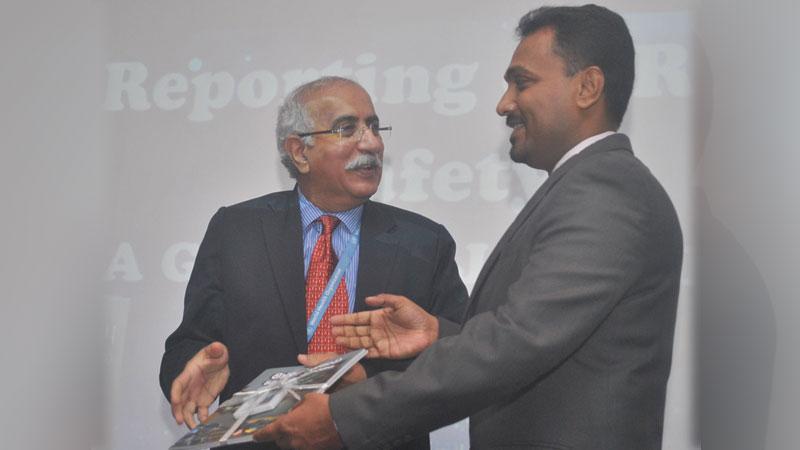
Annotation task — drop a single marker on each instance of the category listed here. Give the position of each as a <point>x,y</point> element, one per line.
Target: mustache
<point>364,161</point>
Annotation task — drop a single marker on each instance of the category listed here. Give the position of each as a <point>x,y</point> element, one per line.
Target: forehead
<point>338,100</point>
<point>535,54</point>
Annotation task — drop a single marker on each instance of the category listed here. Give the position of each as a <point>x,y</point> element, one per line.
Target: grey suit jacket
<point>568,341</point>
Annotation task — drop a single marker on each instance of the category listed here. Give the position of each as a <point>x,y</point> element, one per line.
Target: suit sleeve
<point>448,299</point>
<point>585,253</point>
<point>202,311</point>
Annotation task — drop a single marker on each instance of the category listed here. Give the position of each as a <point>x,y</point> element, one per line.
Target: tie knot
<point>328,223</point>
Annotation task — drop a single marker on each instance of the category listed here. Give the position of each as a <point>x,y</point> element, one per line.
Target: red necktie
<point>323,260</point>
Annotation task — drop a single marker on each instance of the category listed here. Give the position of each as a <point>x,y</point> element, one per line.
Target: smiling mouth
<point>516,124</point>
<point>514,121</point>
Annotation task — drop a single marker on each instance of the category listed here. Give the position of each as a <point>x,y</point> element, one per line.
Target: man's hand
<point>353,376</point>
<point>308,426</point>
<point>401,329</point>
<point>201,381</point>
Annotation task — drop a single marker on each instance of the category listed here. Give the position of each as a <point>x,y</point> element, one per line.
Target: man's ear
<point>592,81</point>
<point>295,147</point>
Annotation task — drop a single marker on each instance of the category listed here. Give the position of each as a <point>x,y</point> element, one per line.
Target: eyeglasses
<point>353,131</point>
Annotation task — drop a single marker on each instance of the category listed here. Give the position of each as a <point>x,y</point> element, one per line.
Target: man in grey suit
<point>570,325</point>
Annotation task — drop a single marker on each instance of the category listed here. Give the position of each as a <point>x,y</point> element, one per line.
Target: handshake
<point>396,329</point>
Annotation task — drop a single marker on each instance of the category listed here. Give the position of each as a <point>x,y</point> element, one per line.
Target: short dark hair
<point>590,35</point>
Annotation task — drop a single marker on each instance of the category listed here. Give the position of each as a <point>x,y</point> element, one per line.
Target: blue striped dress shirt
<point>312,229</point>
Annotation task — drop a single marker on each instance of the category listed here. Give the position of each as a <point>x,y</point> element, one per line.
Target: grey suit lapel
<point>614,142</point>
<point>377,253</point>
<point>284,244</point>
<point>501,244</point>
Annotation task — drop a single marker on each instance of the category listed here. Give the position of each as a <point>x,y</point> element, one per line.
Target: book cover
<point>272,393</point>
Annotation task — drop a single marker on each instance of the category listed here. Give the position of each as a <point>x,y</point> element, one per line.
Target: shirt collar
<point>581,146</point>
<point>309,213</point>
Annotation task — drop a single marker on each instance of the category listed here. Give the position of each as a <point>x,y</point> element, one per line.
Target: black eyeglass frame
<point>338,130</point>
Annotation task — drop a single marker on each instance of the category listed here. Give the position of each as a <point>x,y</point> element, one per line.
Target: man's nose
<point>506,104</point>
<point>369,141</point>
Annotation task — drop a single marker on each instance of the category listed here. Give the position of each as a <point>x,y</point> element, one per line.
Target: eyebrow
<point>514,71</point>
<point>350,118</point>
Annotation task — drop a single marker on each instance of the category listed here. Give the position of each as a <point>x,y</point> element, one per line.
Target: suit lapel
<point>613,142</point>
<point>376,255</point>
<point>523,215</point>
<point>284,244</point>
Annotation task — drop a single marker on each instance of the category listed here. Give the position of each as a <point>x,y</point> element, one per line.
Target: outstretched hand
<point>199,384</point>
<point>399,329</point>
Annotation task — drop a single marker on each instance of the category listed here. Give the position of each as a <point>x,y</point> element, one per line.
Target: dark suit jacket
<point>568,338</point>
<point>247,288</point>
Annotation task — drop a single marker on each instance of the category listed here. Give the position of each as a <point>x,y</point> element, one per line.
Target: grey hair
<point>293,117</point>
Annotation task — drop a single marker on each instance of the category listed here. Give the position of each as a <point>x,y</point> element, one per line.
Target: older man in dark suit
<point>569,334</point>
<point>261,267</point>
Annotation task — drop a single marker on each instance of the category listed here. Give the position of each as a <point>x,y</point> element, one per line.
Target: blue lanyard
<point>330,288</point>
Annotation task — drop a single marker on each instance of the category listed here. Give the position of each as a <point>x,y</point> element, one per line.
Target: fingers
<point>215,350</point>
<point>214,357</point>
<point>177,414</point>
<point>177,398</point>
<point>188,414</point>
<point>359,318</point>
<point>355,342</point>
<point>351,331</point>
<point>315,359</point>
<point>376,300</point>
<point>271,432</point>
<point>356,374</point>
<point>202,413</point>
<point>184,409</point>
<point>388,300</point>
<point>199,384</point>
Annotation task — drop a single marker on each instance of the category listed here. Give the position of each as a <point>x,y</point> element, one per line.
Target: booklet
<point>272,393</point>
